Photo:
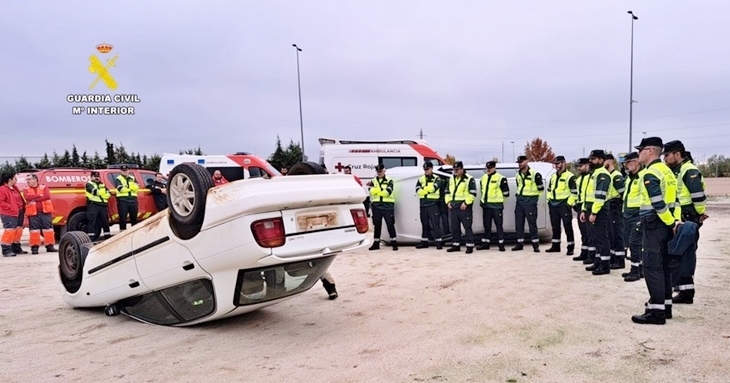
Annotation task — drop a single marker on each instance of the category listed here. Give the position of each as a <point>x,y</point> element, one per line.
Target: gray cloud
<point>472,75</point>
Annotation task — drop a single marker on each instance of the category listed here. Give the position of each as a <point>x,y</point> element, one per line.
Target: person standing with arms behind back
<point>126,198</point>
<point>495,190</point>
<point>428,189</point>
<point>529,187</point>
<point>660,219</point>
<point>632,203</point>
<point>97,199</point>
<point>562,194</point>
<point>459,198</point>
<point>383,204</point>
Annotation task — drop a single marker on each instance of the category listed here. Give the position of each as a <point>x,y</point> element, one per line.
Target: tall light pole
<point>513,151</point>
<point>299,85</point>
<point>631,83</point>
<point>644,134</point>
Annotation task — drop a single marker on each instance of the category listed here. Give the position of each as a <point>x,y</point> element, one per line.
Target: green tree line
<point>118,154</point>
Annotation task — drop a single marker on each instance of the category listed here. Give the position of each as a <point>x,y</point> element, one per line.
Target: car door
<point>145,200</point>
<point>161,260</point>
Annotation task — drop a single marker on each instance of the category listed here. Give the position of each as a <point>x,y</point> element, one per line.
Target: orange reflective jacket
<point>36,195</point>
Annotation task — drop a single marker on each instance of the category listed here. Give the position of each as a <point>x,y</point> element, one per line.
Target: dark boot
<point>602,268</point>
<point>501,246</point>
<point>51,249</point>
<point>34,250</point>
<point>422,245</point>
<point>684,297</point>
<point>439,245</point>
<point>590,258</point>
<point>17,249</point>
<point>518,247</point>
<point>469,249</point>
<point>453,248</point>
<point>617,262</point>
<point>571,249</point>
<point>330,288</point>
<point>483,246</point>
<point>7,251</point>
<point>632,275</point>
<point>375,245</point>
<point>650,317</point>
<point>668,311</point>
<point>536,247</point>
<point>582,256</point>
<point>554,248</point>
<point>394,244</point>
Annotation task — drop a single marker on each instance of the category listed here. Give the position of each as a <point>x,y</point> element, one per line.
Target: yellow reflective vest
<point>526,184</point>
<point>491,188</point>
<point>128,188</point>
<point>382,190</point>
<point>661,197</point>
<point>459,190</point>
<point>559,188</point>
<point>97,192</point>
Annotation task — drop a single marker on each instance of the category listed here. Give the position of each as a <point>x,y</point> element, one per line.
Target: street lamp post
<point>513,150</point>
<point>631,81</point>
<point>299,85</point>
<point>644,133</point>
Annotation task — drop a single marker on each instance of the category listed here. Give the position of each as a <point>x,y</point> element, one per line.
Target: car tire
<point>187,190</point>
<point>306,168</point>
<point>78,222</point>
<point>70,256</point>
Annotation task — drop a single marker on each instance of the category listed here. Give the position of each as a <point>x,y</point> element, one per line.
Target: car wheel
<point>70,255</point>
<point>186,193</point>
<point>79,222</point>
<point>306,168</point>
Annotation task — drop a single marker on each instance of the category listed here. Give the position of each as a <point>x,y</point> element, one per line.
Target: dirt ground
<point>717,187</point>
<point>405,316</point>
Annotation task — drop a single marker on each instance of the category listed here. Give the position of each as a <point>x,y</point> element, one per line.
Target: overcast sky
<point>471,74</point>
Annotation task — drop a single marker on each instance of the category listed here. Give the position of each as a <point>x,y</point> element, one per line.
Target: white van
<point>233,167</point>
<point>364,155</point>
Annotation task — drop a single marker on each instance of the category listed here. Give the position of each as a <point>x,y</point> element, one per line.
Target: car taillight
<point>361,220</point>
<point>269,232</point>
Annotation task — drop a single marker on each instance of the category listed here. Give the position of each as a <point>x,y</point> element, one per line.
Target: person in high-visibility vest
<point>11,215</point>
<point>428,190</point>
<point>383,205</point>
<point>659,218</point>
<point>596,213</point>
<point>529,187</point>
<point>126,197</point>
<point>587,250</point>
<point>614,199</point>
<point>561,196</point>
<point>39,209</point>
<point>97,200</point>
<point>631,205</point>
<point>460,196</point>
<point>692,199</point>
<point>495,190</point>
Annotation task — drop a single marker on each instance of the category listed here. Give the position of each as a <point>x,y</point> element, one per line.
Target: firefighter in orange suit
<point>39,210</point>
<point>11,215</point>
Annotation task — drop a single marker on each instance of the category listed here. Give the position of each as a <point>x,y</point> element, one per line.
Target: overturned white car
<point>218,251</point>
<point>407,216</point>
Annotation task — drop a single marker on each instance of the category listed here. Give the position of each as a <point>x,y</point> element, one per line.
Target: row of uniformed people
<point>459,194</point>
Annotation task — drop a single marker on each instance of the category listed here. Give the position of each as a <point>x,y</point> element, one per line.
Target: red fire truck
<point>67,188</point>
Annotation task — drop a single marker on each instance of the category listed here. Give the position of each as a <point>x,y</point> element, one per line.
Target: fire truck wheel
<point>79,222</point>
<point>306,168</point>
<point>70,255</point>
<point>186,193</point>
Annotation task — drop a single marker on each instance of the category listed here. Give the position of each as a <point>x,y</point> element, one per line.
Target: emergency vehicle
<point>67,187</point>
<point>364,155</point>
<point>233,167</point>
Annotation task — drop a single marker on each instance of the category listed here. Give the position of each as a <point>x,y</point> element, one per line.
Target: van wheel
<point>186,193</point>
<point>79,222</point>
<point>306,168</point>
<point>70,255</point>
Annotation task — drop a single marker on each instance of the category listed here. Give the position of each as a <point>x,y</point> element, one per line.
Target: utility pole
<point>501,159</point>
<point>299,85</point>
<point>631,82</point>
<point>421,134</point>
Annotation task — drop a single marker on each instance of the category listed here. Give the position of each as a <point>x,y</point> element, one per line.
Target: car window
<point>177,304</point>
<point>274,282</point>
<point>434,161</point>
<point>147,179</point>
<point>230,173</point>
<point>111,176</point>
<point>256,172</point>
<point>392,162</point>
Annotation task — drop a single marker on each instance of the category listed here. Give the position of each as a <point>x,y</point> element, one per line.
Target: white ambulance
<point>364,155</point>
<point>240,165</point>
